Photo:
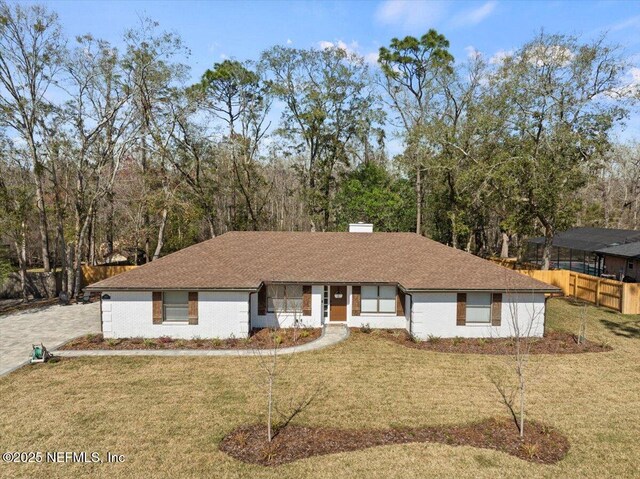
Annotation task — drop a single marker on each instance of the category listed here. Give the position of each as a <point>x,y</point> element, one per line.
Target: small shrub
<point>433,339</point>
<point>277,339</point>
<point>112,342</point>
<point>180,343</point>
<point>165,339</point>
<point>365,328</point>
<point>482,341</point>
<point>216,342</point>
<point>413,338</point>
<point>530,450</point>
<point>95,338</point>
<point>457,341</point>
<point>149,343</point>
<point>305,333</point>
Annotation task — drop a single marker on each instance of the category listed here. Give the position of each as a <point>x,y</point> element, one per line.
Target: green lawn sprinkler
<point>39,354</point>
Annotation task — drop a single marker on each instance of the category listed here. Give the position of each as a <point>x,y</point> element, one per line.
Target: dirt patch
<point>260,339</point>
<point>542,444</point>
<point>553,342</point>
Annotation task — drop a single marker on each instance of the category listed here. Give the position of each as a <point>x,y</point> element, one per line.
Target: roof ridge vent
<point>360,227</point>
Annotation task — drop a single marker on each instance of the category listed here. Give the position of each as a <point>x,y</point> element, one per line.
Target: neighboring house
<point>577,249</point>
<point>228,285</point>
<point>623,261</point>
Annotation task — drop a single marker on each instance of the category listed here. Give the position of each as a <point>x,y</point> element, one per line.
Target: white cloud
<point>350,48</point>
<point>414,14</point>
<point>628,23</point>
<point>552,55</point>
<point>224,56</point>
<point>411,14</point>
<point>371,58</point>
<point>472,52</point>
<point>289,41</point>
<point>631,85</point>
<point>500,56</point>
<point>474,16</point>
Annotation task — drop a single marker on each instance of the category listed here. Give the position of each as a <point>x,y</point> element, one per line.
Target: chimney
<point>360,227</point>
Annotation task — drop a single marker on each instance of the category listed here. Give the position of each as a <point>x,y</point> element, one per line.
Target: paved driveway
<point>51,326</point>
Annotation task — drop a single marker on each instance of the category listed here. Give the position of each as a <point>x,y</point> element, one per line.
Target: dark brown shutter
<point>496,309</point>
<point>193,307</point>
<point>461,316</point>
<point>306,300</point>
<point>262,300</point>
<point>355,300</point>
<point>400,303</point>
<point>157,307</point>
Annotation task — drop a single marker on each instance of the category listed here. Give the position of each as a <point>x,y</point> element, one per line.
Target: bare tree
<point>31,45</point>
<point>582,329</point>
<point>511,379</point>
<point>274,365</point>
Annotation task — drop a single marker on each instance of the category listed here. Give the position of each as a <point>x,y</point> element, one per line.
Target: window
<point>285,298</point>
<point>378,299</point>
<point>478,307</point>
<point>176,305</point>
<point>325,302</point>
<point>630,265</point>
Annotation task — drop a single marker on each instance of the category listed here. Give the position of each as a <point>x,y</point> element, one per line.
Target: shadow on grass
<point>626,329</point>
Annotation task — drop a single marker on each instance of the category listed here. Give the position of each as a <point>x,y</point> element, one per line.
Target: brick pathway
<point>52,326</point>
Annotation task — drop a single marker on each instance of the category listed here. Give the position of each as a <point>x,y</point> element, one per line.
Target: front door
<point>338,303</point>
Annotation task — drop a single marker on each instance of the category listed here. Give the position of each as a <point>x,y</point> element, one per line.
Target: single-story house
<point>622,260</point>
<point>226,286</point>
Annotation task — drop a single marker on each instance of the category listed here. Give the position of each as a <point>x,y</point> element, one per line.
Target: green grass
<point>167,415</point>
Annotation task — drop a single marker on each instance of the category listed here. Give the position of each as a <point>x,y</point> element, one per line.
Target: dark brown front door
<point>338,303</point>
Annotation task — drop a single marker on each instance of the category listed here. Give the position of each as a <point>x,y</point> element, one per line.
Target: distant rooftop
<point>629,250</point>
<point>591,239</point>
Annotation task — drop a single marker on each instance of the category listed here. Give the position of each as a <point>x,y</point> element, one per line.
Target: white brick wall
<point>286,320</point>
<point>435,314</point>
<point>221,314</point>
<point>380,320</point>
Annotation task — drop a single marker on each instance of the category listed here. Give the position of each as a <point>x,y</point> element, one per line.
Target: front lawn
<point>167,416</point>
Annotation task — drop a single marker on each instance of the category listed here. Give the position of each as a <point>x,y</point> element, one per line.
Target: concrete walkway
<point>331,334</point>
<point>51,325</point>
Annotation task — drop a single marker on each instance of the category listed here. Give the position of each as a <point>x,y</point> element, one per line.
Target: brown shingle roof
<point>243,260</point>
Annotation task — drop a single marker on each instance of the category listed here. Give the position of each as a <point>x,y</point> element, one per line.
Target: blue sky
<point>217,30</point>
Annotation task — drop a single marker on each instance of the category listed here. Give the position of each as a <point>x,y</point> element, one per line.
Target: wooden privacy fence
<point>93,274</point>
<point>622,297</point>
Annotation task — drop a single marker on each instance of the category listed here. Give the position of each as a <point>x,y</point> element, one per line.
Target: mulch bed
<point>542,444</point>
<point>553,342</point>
<point>260,339</point>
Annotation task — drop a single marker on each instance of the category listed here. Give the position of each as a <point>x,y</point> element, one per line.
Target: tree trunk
<point>210,223</point>
<point>504,251</point>
<point>546,250</point>
<point>42,223</point>
<point>269,408</point>
<point>418,201</point>
<point>109,225</point>
<point>522,402</point>
<point>70,268</point>
<point>21,250</point>
<point>454,232</point>
<point>163,223</point>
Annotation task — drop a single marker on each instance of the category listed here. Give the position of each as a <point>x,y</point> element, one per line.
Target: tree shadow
<point>626,329</point>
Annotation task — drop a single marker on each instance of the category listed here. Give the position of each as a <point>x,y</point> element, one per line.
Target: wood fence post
<point>598,292</point>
